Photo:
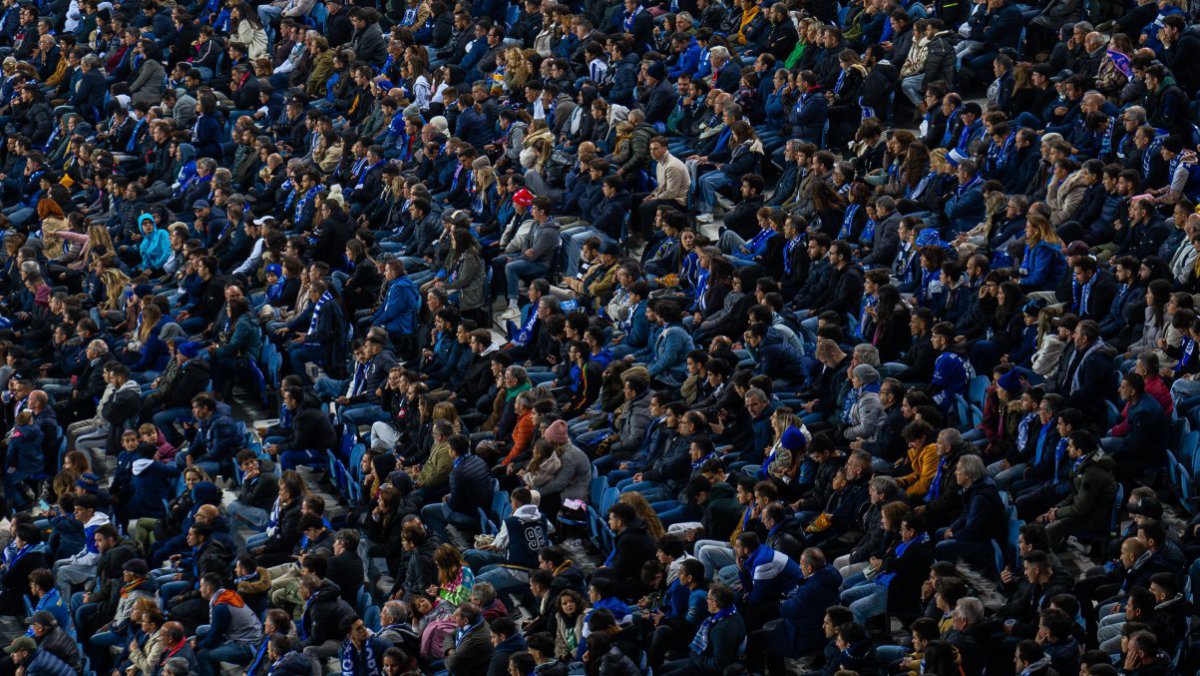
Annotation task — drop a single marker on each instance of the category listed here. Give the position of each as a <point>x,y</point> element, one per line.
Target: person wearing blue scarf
<point>361,654</point>
<point>899,568</point>
<point>965,209</point>
<point>719,638</point>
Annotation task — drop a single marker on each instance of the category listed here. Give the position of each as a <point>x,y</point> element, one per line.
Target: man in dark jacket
<point>633,546</point>
<point>320,624</point>
<point>216,439</point>
<point>256,495</point>
<point>660,95</point>
<point>313,436</point>
<point>88,386</point>
<point>469,648</point>
<point>470,490</point>
<point>798,633</point>
<point>55,640</point>
<point>982,520</point>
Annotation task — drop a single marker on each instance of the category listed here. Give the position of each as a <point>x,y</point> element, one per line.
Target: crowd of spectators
<point>512,337</point>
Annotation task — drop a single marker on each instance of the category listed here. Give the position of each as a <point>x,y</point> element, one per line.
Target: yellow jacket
<point>924,466</point>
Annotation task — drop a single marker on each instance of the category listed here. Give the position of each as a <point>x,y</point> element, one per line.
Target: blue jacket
<point>982,519</point>
<point>638,335</point>
<point>217,438</point>
<point>25,449</point>
<point>951,373</point>
<point>151,482</point>
<point>398,314</point>
<point>624,79</point>
<point>475,52</point>
<point>473,126</point>
<point>767,575</point>
<point>966,210</point>
<point>470,485</point>
<point>208,136</point>
<point>155,249</point>
<point>689,61</point>
<point>44,663</point>
<point>1147,428</point>
<point>803,610</point>
<point>1043,267</point>
<point>670,355</point>
<point>808,117</point>
<point>154,353</point>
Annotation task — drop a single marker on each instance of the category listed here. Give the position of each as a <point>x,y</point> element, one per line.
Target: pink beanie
<point>556,433</point>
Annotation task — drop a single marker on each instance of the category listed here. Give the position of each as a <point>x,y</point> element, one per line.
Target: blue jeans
<point>706,189</point>
<point>865,601</point>
<point>362,414</point>
<point>291,459</point>
<point>301,354</point>
<point>439,514</point>
<point>329,388</point>
<point>234,653</point>
<point>504,578</point>
<point>165,419</point>
<point>516,270</point>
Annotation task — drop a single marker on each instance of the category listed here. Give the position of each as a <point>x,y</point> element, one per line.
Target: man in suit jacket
<point>673,183</point>
<point>89,93</point>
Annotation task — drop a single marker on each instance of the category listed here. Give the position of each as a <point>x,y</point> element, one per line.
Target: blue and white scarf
<point>316,313</point>
<point>700,642</point>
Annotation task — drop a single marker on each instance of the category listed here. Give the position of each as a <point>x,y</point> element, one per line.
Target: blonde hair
<point>151,314</point>
<point>114,282</point>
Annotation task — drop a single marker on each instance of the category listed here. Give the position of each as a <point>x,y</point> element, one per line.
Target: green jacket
<point>1093,489</point>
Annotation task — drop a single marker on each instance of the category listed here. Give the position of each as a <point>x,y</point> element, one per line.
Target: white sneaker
<point>510,313</point>
<point>704,218</point>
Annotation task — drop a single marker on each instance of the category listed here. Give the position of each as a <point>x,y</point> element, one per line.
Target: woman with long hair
<point>360,286</point>
<point>1042,264</point>
<point>1006,323</point>
<point>645,512</point>
<point>455,578</point>
<point>892,334</point>
<point>467,275</point>
<point>828,209</point>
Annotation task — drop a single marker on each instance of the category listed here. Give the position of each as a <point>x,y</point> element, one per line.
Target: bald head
<point>38,400</point>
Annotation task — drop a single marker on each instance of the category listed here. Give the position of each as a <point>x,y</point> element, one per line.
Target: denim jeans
<point>866,601</point>
<point>362,414</point>
<point>706,190</point>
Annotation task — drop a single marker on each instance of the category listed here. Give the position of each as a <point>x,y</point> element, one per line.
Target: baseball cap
<point>22,643</point>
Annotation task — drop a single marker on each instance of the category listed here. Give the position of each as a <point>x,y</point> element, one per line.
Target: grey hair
<point>970,609</point>
<point>719,52</point>
<point>176,666</point>
<point>951,435</point>
<point>972,466</point>
<point>397,611</point>
<point>756,393</point>
<point>867,353</point>
<point>99,345</point>
<point>885,485</point>
<point>1137,113</point>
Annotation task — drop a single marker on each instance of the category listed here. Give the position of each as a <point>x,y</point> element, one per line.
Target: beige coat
<point>674,181</point>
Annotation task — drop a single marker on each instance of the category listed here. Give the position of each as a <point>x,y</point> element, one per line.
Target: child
<point>24,460</point>
<point>121,487</point>
<point>149,434</point>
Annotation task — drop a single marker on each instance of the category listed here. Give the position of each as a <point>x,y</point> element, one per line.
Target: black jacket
<point>311,429</point>
<point>470,485</point>
<point>633,547</point>
<point>323,617</point>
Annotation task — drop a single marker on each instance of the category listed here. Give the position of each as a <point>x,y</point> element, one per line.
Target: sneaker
<point>704,218</point>
<point>510,313</point>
